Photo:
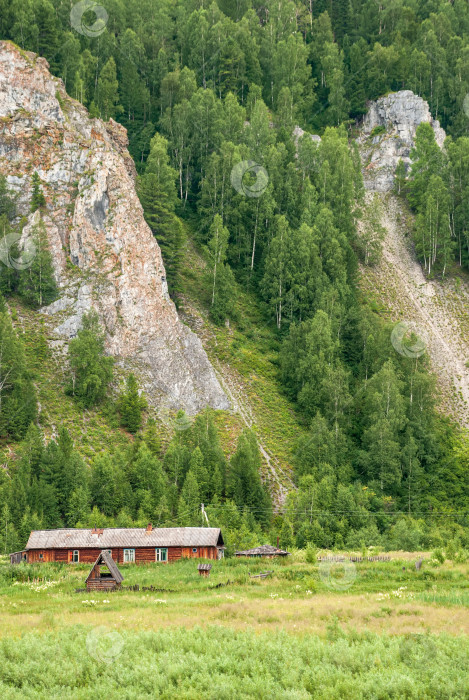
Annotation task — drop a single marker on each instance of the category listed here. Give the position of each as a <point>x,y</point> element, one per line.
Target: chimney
<point>97,530</point>
<point>149,528</point>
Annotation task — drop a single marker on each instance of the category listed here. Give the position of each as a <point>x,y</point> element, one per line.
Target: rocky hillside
<point>105,256</point>
<point>437,311</point>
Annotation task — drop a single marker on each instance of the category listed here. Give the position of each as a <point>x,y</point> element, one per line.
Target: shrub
<point>311,553</point>
<point>438,556</point>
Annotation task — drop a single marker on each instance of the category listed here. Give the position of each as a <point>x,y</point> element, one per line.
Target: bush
<point>439,556</point>
<point>365,537</point>
<point>405,535</point>
<point>311,553</point>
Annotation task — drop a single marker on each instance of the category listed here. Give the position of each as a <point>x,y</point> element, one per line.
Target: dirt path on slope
<point>438,310</point>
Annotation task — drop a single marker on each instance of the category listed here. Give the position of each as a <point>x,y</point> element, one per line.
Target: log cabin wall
<point>142,554</point>
<point>199,553</point>
<point>174,553</point>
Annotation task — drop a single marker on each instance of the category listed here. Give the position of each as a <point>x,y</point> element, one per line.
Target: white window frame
<point>75,552</point>
<point>194,550</point>
<point>129,556</point>
<point>158,552</point>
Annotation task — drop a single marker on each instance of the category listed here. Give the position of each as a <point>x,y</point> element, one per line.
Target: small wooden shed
<point>204,569</point>
<point>104,580</point>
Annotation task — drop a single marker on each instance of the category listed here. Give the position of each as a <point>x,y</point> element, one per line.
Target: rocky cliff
<point>436,311</point>
<point>105,256</point>
<point>388,135</point>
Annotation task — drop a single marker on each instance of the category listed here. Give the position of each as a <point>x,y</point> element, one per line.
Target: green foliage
<point>131,405</point>
<point>17,395</point>
<point>38,200</point>
<point>91,370</point>
<point>311,553</point>
<point>220,277</point>
<point>36,283</point>
<point>157,192</point>
<point>107,94</point>
<point>439,556</point>
<point>246,659</point>
<point>201,90</point>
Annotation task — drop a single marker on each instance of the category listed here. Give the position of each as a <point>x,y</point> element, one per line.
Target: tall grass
<point>220,663</point>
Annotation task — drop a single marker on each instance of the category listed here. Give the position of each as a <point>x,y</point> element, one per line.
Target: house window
<point>194,549</point>
<point>129,556</point>
<point>75,556</point>
<point>41,555</point>
<point>161,554</point>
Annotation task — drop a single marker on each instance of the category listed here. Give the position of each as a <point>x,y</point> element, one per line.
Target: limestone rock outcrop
<point>398,114</point>
<point>105,256</point>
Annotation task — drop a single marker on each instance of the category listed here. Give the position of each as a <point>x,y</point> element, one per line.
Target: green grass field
<point>370,630</point>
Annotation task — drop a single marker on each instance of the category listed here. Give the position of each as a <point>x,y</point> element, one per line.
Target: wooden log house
<point>125,545</point>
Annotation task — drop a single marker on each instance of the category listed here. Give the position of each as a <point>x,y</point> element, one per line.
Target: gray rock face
<point>400,113</point>
<point>105,256</point>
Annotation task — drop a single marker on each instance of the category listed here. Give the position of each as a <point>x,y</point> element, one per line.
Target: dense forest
<point>202,87</point>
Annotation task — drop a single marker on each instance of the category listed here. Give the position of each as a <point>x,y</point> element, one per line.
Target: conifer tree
<point>131,405</point>
<point>7,200</point>
<point>17,395</point>
<point>37,283</point>
<point>38,200</point>
<point>91,370</point>
<point>158,195</point>
<point>220,276</point>
<point>108,95</point>
<point>190,493</point>
<point>78,507</point>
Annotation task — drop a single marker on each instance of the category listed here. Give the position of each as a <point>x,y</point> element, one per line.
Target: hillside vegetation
<point>240,119</point>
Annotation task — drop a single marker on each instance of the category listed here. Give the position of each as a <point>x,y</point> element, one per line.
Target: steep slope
<point>105,256</point>
<point>438,311</point>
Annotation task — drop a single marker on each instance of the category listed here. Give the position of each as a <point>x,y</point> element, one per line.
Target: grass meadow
<point>364,630</point>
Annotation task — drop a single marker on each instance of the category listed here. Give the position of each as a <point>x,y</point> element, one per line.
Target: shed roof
<point>72,538</point>
<point>264,550</point>
<point>105,558</point>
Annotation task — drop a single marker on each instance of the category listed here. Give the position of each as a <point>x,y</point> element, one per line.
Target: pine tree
<point>78,507</point>
<point>38,200</point>
<point>17,394</point>
<point>286,538</point>
<point>244,485</point>
<point>108,95</point>
<point>103,484</point>
<point>157,193</point>
<point>131,405</point>
<point>7,200</point>
<point>220,276</point>
<point>190,493</point>
<point>37,283</point>
<point>198,468</point>
<point>91,370</point>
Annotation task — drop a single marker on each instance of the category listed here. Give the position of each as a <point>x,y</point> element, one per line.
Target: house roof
<point>265,549</point>
<point>73,538</point>
<point>105,558</point>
